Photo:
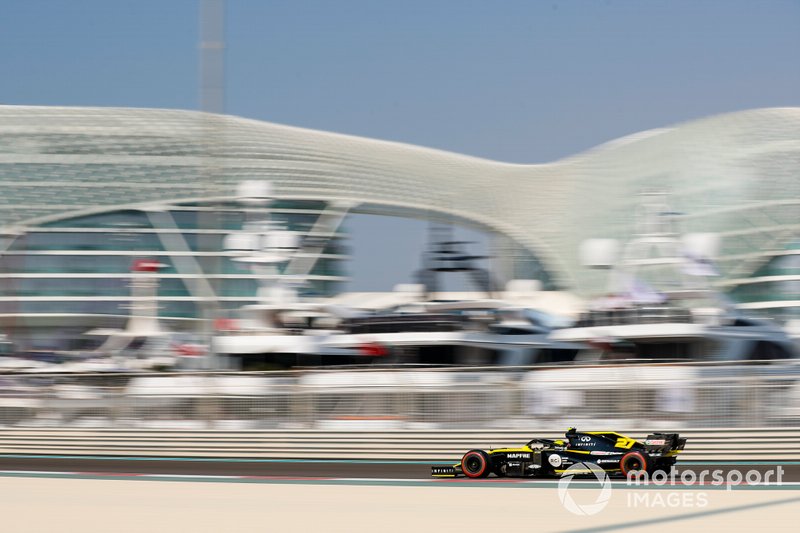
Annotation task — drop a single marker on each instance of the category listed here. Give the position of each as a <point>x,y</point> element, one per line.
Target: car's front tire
<point>475,464</point>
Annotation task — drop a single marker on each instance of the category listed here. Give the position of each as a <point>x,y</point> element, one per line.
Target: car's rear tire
<point>475,464</point>
<point>633,462</point>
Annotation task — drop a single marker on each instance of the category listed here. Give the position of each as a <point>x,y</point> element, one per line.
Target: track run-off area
<point>87,494</point>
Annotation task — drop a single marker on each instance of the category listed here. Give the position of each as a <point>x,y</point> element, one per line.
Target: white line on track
<point>38,472</point>
<point>620,483</point>
<point>187,476</point>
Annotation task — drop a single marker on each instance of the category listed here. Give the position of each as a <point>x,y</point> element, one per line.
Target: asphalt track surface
<point>299,469</point>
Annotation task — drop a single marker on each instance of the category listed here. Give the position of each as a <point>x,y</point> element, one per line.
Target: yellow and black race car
<point>611,451</point>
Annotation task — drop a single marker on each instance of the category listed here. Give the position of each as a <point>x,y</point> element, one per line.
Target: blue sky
<point>520,81</point>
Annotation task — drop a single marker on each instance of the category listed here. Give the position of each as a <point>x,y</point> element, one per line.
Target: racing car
<point>611,451</point>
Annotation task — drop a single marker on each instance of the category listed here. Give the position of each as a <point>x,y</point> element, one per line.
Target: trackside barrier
<point>619,396</point>
<point>706,445</point>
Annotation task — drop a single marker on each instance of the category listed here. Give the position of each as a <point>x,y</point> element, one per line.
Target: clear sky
<point>520,81</point>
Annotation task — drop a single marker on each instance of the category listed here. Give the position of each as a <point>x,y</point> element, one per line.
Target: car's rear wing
<point>664,442</point>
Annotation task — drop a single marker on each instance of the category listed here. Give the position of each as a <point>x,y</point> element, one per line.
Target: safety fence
<point>623,397</point>
<point>710,445</point>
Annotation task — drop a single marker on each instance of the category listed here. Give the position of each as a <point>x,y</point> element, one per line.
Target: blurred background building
<point>88,191</point>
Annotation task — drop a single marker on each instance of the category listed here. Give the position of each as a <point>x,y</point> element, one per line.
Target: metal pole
<point>212,103</point>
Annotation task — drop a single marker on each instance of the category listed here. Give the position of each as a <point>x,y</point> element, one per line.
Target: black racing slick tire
<point>475,464</point>
<point>634,462</point>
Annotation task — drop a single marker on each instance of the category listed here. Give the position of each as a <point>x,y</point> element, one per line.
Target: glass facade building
<point>87,191</point>
<point>75,273</point>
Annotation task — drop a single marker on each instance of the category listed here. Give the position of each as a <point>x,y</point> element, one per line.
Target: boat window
<point>767,351</point>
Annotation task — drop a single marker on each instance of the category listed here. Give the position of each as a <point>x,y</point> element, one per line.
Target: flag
<point>698,266</point>
<point>642,293</point>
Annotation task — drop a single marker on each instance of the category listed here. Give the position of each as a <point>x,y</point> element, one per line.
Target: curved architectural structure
<point>71,172</point>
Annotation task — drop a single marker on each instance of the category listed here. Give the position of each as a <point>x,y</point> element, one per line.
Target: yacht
<point>415,324</point>
<point>464,332</point>
<point>685,320</point>
<point>662,305</point>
